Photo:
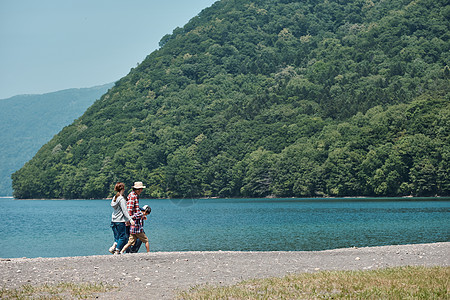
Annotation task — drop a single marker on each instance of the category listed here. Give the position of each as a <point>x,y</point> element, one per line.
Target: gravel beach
<point>159,275</point>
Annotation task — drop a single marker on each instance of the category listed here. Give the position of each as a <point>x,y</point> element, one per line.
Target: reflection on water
<point>49,228</point>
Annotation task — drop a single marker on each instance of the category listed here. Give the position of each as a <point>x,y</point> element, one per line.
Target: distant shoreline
<point>161,274</point>
<point>399,198</point>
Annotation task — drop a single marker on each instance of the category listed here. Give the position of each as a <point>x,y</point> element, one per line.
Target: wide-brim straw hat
<point>139,185</point>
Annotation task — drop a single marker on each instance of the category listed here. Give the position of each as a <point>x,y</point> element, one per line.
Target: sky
<point>52,45</point>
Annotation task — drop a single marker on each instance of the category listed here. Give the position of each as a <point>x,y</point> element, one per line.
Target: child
<point>137,230</point>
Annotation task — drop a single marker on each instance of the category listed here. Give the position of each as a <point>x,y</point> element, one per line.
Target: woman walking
<point>119,217</point>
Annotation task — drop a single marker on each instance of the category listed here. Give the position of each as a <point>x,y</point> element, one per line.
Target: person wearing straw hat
<point>133,207</point>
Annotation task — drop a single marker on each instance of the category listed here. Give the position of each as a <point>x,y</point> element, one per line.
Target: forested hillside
<point>30,121</point>
<point>257,98</point>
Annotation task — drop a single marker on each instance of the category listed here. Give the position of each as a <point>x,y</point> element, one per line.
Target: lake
<point>54,228</point>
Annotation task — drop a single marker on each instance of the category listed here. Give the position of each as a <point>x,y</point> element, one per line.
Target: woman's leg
<point>115,232</point>
<point>116,235</point>
<point>122,236</point>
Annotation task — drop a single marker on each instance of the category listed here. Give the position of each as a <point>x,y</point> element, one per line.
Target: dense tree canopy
<point>262,98</point>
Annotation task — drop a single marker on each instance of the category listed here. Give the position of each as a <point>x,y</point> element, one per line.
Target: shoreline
<point>158,275</point>
<point>343,198</point>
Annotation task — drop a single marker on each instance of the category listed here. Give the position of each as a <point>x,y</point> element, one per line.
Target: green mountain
<point>260,98</point>
<point>30,121</point>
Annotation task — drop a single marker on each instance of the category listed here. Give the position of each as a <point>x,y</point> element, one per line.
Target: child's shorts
<point>141,236</point>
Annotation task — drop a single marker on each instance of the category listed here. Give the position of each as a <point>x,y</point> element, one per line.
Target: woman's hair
<point>119,186</point>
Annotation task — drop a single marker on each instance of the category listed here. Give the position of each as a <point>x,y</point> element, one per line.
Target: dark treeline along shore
<point>258,98</point>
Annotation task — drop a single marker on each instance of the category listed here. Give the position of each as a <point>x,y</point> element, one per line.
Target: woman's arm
<point>123,206</point>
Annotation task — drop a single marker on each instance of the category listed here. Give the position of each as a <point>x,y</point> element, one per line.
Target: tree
<point>258,174</point>
<point>183,174</point>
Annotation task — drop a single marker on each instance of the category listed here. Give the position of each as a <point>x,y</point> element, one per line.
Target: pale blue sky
<point>51,45</point>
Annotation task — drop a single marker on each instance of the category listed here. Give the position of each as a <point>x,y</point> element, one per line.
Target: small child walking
<point>137,230</point>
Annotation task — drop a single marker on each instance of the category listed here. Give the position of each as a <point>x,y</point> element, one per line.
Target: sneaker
<point>112,248</point>
<point>116,252</point>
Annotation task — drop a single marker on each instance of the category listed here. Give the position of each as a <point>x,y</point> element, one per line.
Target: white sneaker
<point>112,249</point>
<point>116,252</point>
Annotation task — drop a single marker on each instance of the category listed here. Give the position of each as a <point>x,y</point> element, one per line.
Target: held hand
<point>132,222</point>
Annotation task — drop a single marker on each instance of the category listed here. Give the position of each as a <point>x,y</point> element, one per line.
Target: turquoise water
<point>53,228</point>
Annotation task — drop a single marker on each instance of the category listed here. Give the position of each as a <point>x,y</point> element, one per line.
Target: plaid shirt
<point>133,203</point>
<point>138,226</point>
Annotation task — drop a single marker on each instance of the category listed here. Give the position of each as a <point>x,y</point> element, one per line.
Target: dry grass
<point>392,283</point>
<point>59,291</point>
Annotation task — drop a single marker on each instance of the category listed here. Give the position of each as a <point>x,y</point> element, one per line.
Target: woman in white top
<point>119,217</point>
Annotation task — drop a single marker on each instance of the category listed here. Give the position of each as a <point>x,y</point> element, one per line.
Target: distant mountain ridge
<point>270,98</point>
<point>29,121</point>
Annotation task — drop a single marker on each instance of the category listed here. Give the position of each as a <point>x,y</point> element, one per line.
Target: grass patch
<point>391,283</point>
<point>58,291</point>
